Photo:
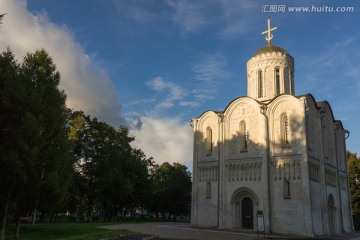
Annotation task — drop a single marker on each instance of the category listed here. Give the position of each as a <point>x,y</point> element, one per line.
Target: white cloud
<point>238,17</point>
<point>191,16</point>
<point>189,103</point>
<point>87,88</point>
<point>211,68</point>
<point>175,92</point>
<point>165,139</point>
<point>209,72</point>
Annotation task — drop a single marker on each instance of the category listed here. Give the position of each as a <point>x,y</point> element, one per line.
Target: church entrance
<point>244,204</point>
<point>247,213</point>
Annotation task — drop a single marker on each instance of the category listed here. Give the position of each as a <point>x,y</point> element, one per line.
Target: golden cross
<point>268,31</point>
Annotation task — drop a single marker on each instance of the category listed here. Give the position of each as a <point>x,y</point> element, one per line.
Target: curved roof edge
<point>245,97</point>
<point>269,49</point>
<point>321,104</point>
<point>203,113</point>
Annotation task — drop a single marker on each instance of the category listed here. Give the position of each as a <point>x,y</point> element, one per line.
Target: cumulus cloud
<point>165,139</point>
<point>90,89</point>
<point>87,87</point>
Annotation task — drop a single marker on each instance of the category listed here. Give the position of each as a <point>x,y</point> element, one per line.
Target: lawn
<point>75,231</point>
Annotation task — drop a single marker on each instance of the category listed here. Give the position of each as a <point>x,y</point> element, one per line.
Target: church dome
<point>270,49</point>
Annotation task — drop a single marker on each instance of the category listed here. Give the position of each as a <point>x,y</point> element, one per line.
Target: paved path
<point>180,231</point>
<point>185,231</point>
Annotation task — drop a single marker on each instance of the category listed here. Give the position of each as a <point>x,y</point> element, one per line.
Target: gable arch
<point>243,127</point>
<point>207,131</point>
<point>242,193</point>
<point>287,132</point>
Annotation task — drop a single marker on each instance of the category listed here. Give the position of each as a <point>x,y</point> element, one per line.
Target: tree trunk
<point>50,217</point>
<point>17,224</point>
<point>4,216</point>
<point>35,212</point>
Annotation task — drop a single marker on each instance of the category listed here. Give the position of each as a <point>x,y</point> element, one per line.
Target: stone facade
<point>271,159</point>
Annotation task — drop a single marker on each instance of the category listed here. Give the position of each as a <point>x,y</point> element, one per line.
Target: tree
<point>354,181</point>
<point>11,98</point>
<point>172,189</point>
<point>110,174</point>
<point>35,145</point>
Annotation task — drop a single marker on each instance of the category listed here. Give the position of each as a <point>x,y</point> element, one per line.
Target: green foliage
<point>56,161</point>
<point>354,181</point>
<point>172,189</point>
<point>36,162</point>
<point>110,175</point>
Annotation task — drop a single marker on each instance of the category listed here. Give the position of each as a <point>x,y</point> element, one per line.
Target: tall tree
<point>36,147</point>
<point>354,180</point>
<point>12,97</point>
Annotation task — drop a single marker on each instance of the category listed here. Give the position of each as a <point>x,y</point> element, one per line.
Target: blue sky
<point>153,64</point>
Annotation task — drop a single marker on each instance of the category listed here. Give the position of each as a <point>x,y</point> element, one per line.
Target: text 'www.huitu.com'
<point>306,9</point>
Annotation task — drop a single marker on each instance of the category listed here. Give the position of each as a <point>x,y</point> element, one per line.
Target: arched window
<point>243,137</point>
<point>260,84</point>
<point>277,80</point>
<point>287,189</point>
<point>208,190</point>
<point>284,130</point>
<point>208,141</point>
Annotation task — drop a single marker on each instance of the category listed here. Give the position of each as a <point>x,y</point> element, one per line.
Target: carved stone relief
<point>286,170</point>
<point>208,172</point>
<point>330,177</point>
<point>243,171</point>
<point>314,171</point>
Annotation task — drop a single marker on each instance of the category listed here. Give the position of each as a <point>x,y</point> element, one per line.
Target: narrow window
<point>291,81</point>
<point>208,190</point>
<point>260,84</point>
<point>277,80</point>
<point>287,189</point>
<point>208,142</point>
<point>284,130</point>
<point>243,137</point>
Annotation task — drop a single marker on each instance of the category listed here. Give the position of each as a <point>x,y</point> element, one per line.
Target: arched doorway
<point>247,213</point>
<point>331,213</point>
<point>244,203</point>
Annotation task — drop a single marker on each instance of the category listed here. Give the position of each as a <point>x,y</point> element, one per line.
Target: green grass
<point>76,231</point>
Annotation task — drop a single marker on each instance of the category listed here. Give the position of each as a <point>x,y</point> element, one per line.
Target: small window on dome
<point>260,84</point>
<point>277,80</point>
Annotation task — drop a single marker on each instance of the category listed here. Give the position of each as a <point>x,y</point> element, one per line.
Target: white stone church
<point>271,161</point>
